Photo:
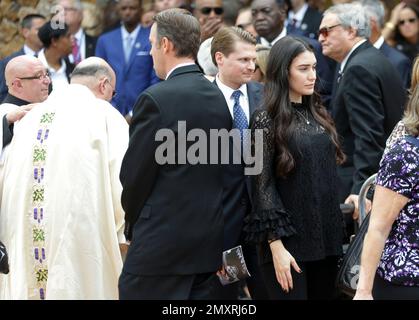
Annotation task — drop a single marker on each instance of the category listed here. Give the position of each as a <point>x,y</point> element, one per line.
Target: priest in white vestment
<point>61,218</point>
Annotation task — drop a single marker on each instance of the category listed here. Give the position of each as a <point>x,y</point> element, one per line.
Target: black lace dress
<point>302,209</point>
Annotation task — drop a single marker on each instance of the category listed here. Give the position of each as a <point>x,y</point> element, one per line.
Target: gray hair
<point>352,15</point>
<point>76,4</point>
<point>374,9</point>
<point>92,70</point>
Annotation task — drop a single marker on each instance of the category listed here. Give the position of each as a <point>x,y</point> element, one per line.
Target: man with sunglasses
<point>210,14</point>
<point>63,168</point>
<point>369,94</point>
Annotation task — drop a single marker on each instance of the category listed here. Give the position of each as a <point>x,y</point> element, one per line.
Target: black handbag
<point>348,275</point>
<point>4,260</point>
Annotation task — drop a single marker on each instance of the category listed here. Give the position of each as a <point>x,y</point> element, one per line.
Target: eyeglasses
<point>113,91</point>
<point>411,20</point>
<point>68,9</point>
<point>217,10</point>
<point>325,30</point>
<point>39,77</point>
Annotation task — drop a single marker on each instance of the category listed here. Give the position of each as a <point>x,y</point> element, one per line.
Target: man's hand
<point>210,27</point>
<point>18,113</point>
<point>353,198</point>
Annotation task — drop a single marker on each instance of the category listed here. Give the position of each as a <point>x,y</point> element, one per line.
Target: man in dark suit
<point>83,45</point>
<point>268,18</point>
<point>303,20</point>
<point>369,94</point>
<point>375,11</point>
<point>30,26</point>
<point>233,51</point>
<point>127,50</point>
<point>173,208</point>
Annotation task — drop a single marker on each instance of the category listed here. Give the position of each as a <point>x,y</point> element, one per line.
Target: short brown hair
<point>181,28</point>
<point>225,39</point>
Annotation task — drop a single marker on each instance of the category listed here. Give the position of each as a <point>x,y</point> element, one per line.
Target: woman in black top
<point>296,218</point>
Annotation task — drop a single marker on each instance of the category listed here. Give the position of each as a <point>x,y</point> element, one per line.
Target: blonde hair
<point>262,54</point>
<point>411,115</point>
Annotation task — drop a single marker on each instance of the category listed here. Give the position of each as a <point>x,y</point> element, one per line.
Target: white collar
<point>227,91</point>
<point>28,51</point>
<point>41,56</point>
<point>343,63</point>
<point>79,35</point>
<point>178,66</point>
<point>379,42</point>
<point>133,34</point>
<point>270,44</point>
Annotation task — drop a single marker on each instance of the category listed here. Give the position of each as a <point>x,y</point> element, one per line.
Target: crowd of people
<point>110,189</point>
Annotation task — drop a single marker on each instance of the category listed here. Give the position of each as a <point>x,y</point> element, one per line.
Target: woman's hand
<point>395,13</point>
<point>283,261</point>
<point>363,295</point>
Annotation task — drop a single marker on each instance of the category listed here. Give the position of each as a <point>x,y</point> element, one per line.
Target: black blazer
<point>90,45</point>
<point>173,211</point>
<point>368,103</point>
<point>399,61</point>
<point>237,195</point>
<point>311,23</point>
<point>3,63</point>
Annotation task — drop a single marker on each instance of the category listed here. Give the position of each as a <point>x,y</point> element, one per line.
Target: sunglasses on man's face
<point>411,20</point>
<point>325,31</point>
<point>217,10</point>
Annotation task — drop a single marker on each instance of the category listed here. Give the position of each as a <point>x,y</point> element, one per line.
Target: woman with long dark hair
<point>296,218</point>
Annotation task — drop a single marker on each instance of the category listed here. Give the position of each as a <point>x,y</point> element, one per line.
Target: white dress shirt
<point>227,92</point>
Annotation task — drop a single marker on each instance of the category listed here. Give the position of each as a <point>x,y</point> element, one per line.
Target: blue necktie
<point>128,48</point>
<point>240,119</point>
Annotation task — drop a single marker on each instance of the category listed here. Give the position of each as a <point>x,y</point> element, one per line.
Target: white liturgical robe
<point>61,218</point>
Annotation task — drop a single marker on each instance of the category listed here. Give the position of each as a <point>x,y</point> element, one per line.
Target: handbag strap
<point>413,140</point>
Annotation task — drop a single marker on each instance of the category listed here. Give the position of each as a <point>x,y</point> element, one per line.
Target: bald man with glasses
<point>28,82</point>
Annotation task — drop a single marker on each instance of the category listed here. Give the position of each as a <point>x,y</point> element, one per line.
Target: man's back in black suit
<point>173,210</point>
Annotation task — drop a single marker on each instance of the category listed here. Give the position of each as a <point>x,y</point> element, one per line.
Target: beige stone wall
<point>12,12</point>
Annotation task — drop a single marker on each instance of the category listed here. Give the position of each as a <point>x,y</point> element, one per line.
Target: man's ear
<point>102,86</point>
<point>219,58</point>
<point>25,32</point>
<point>166,45</point>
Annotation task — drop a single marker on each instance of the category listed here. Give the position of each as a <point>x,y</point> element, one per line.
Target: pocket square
<point>143,53</point>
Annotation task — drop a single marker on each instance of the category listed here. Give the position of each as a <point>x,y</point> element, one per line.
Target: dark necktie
<point>292,26</point>
<point>240,119</point>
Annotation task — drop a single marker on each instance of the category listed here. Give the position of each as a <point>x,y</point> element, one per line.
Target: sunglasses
<point>325,31</point>
<point>411,20</point>
<point>207,10</point>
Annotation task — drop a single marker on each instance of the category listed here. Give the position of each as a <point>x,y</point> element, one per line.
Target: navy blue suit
<point>134,77</point>
<point>3,63</point>
<point>309,25</point>
<point>399,61</point>
<point>237,203</point>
